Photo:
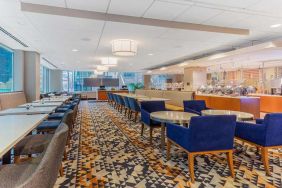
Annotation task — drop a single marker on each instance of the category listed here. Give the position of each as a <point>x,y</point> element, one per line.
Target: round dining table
<point>182,118</point>
<point>241,116</point>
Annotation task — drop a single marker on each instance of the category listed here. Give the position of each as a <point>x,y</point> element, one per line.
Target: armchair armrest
<point>251,132</point>
<point>191,111</point>
<point>178,134</point>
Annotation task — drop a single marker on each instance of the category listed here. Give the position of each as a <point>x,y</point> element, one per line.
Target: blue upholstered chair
<point>115,101</point>
<point>147,108</point>
<point>195,106</point>
<point>127,110</point>
<point>264,136</point>
<point>134,108</point>
<point>120,103</point>
<point>206,134</point>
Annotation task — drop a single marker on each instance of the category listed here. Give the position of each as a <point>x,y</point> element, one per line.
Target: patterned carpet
<point>108,151</point>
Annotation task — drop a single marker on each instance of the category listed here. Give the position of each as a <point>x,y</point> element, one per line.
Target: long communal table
<point>37,104</point>
<point>16,127</point>
<point>141,98</point>
<point>30,111</point>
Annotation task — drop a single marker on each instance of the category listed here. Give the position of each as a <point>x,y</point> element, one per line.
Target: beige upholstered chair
<point>41,172</point>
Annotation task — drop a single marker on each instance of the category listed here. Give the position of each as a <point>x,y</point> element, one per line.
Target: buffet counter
<point>241,103</point>
<point>102,94</point>
<point>269,103</point>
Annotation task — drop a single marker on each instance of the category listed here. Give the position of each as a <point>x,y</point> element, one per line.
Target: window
<point>44,79</point>
<point>6,69</point>
<point>74,80</point>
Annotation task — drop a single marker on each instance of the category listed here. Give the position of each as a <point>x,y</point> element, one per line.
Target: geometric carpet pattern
<point>107,150</point>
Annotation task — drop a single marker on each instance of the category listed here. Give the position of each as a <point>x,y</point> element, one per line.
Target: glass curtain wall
<point>44,79</point>
<point>74,80</point>
<point>6,69</point>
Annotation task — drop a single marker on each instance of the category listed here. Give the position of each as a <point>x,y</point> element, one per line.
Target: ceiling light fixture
<point>124,47</point>
<point>150,54</point>
<point>102,68</point>
<point>182,64</point>
<point>75,50</point>
<point>275,25</point>
<point>98,72</point>
<point>163,68</point>
<point>149,71</point>
<point>109,61</point>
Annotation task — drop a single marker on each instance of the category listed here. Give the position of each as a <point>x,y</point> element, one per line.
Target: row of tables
<point>182,118</point>
<point>16,123</point>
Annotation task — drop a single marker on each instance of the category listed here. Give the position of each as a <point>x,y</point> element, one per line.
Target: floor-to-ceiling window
<point>6,69</point>
<point>74,80</point>
<point>44,79</point>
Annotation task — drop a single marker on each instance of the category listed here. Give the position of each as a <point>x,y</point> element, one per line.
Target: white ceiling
<point>55,36</point>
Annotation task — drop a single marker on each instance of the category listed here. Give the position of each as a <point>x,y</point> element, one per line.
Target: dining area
<point>199,130</point>
<point>34,140</point>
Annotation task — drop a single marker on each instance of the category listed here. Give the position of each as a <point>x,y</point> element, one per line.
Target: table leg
<point>163,136</point>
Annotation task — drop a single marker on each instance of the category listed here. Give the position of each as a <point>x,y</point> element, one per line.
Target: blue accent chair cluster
<point>265,134</point>
<point>205,135</point>
<point>195,106</point>
<point>146,109</point>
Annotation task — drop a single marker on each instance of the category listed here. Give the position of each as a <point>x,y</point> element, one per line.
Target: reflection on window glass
<point>6,69</point>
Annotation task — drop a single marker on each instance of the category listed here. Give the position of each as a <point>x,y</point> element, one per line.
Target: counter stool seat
<point>47,125</point>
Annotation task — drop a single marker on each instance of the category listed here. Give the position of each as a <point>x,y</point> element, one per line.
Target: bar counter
<point>269,103</point>
<point>243,104</point>
<point>102,94</point>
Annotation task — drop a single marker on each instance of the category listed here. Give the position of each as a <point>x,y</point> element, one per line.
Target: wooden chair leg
<point>265,160</point>
<point>142,129</point>
<point>61,170</point>
<point>151,135</point>
<point>229,156</point>
<point>191,166</point>
<point>168,149</point>
<point>136,116</point>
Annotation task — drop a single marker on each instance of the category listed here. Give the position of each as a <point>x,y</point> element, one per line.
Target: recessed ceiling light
<point>182,64</point>
<point>149,71</point>
<point>150,54</point>
<point>75,50</point>
<point>275,25</point>
<point>163,68</point>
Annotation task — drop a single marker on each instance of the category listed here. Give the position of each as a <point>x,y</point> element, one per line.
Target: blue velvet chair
<point>115,101</point>
<point>120,103</point>
<point>195,106</point>
<point>148,107</point>
<point>134,108</point>
<point>267,135</point>
<point>205,135</point>
<point>127,110</point>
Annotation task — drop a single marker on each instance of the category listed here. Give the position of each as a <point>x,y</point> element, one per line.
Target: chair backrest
<point>209,133</point>
<point>68,118</point>
<point>273,123</point>
<point>126,102</point>
<point>153,106</point>
<point>115,98</point>
<point>46,173</point>
<point>120,100</point>
<point>196,105</point>
<point>134,104</point>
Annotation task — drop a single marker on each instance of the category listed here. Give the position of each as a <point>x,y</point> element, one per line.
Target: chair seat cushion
<point>56,116</point>
<point>173,107</point>
<point>33,144</point>
<point>48,125</point>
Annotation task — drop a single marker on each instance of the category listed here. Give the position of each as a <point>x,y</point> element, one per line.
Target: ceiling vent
<point>13,37</point>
